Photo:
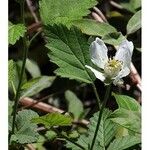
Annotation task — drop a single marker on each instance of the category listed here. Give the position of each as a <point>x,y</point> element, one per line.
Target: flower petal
<point>124,53</point>
<point>98,74</point>
<point>98,52</point>
<point>124,72</point>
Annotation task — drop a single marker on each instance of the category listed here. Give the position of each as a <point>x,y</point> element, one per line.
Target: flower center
<point>112,68</point>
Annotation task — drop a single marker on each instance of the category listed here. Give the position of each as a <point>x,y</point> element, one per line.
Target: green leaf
<point>12,75</point>
<point>15,32</point>
<point>36,85</point>
<point>114,38</point>
<point>127,119</point>
<point>70,51</point>
<point>92,27</point>
<point>50,135</point>
<point>106,133</point>
<point>53,119</point>
<point>136,3</point>
<point>127,102</point>
<point>64,12</point>
<point>124,143</point>
<point>107,129</point>
<point>75,106</point>
<point>33,68</point>
<point>25,131</point>
<point>134,23</point>
<point>131,5</point>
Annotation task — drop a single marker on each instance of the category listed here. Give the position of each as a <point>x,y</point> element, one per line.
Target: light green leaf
<point>106,133</point>
<point>121,131</point>
<point>75,106</point>
<point>33,68</point>
<point>50,135</point>
<point>134,23</point>
<point>12,76</point>
<point>53,119</point>
<point>15,32</point>
<point>70,51</point>
<point>36,85</point>
<point>131,5</point>
<point>136,3</point>
<point>25,131</point>
<point>127,119</point>
<point>64,12</point>
<point>114,38</point>
<point>127,102</point>
<point>92,27</point>
<point>124,143</point>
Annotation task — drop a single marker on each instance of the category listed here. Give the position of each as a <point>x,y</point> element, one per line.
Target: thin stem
<point>71,141</point>
<point>35,35</point>
<point>97,97</point>
<point>100,114</point>
<point>67,139</point>
<point>25,49</point>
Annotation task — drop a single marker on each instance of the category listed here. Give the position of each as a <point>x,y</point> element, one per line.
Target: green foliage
<point>131,5</point>
<point>75,106</point>
<point>15,32</point>
<point>50,135</point>
<point>124,142</point>
<point>33,68</point>
<point>36,85</point>
<point>70,51</point>
<point>25,131</point>
<point>12,75</point>
<point>127,102</point>
<point>106,133</point>
<point>134,23</point>
<point>53,119</point>
<point>114,38</point>
<point>127,119</point>
<point>92,27</point>
<point>128,114</point>
<point>64,11</point>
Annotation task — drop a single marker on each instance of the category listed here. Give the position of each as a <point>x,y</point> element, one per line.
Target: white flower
<point>113,69</point>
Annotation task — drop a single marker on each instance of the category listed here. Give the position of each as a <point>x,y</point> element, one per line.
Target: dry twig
<point>44,107</point>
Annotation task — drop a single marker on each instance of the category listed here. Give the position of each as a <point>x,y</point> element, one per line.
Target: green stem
<point>97,97</point>
<point>100,114</point>
<point>71,141</point>
<point>25,50</point>
<point>36,34</point>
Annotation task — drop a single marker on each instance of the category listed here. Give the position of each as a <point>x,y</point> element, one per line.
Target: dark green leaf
<point>70,51</point>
